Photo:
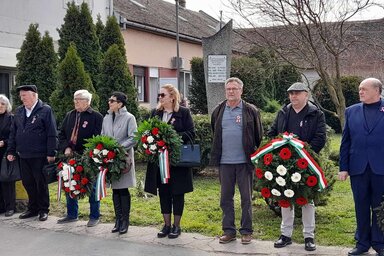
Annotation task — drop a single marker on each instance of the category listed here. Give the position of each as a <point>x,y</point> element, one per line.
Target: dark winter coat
<point>5,126</point>
<point>252,131</point>
<point>90,124</point>
<point>313,130</point>
<point>181,177</point>
<point>34,136</point>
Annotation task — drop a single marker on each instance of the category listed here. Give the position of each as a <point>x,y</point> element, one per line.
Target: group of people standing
<point>31,135</point>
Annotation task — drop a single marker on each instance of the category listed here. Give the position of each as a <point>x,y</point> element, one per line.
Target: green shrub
<point>334,156</point>
<point>267,120</point>
<point>272,106</point>
<point>204,138</point>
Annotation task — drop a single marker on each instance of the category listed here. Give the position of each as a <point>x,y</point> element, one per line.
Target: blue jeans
<point>94,206</point>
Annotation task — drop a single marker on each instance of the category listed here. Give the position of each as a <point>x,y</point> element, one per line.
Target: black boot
<point>117,205</point>
<point>126,209</point>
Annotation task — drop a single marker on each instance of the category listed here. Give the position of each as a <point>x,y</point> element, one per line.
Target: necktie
<point>75,129</point>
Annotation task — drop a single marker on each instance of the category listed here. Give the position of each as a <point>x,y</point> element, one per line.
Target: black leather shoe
<point>66,219</point>
<point>356,251</point>
<point>309,244</point>
<point>9,213</point>
<point>43,216</point>
<point>282,242</point>
<point>27,214</point>
<point>380,252</point>
<point>164,231</point>
<point>175,232</point>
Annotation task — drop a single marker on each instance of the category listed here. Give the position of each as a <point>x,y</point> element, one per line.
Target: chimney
<point>182,3</point>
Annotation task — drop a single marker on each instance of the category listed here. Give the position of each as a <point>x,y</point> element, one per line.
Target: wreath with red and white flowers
<point>73,179</point>
<point>286,172</point>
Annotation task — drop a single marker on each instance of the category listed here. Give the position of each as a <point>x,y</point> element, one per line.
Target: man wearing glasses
<point>79,124</point>
<point>237,132</point>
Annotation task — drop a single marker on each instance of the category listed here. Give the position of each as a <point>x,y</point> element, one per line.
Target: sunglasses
<point>162,95</point>
<point>112,100</point>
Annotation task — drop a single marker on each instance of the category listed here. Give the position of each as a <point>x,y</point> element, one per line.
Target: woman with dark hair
<point>121,125</point>
<point>171,194</point>
<point>7,189</point>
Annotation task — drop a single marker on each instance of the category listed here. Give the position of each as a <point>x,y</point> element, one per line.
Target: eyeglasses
<point>79,99</point>
<point>234,89</point>
<point>162,95</point>
<point>112,100</point>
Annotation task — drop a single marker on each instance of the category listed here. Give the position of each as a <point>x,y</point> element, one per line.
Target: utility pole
<point>177,46</point>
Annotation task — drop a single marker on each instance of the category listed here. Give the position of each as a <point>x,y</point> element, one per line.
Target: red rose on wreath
<point>90,154</point>
<point>268,159</point>
<point>84,181</point>
<point>111,155</point>
<point>160,143</point>
<point>311,181</point>
<point>265,192</point>
<point>72,162</point>
<point>76,177</point>
<point>285,153</point>
<point>79,168</point>
<point>99,146</point>
<point>155,131</point>
<point>259,173</point>
<point>60,165</point>
<point>148,152</point>
<point>302,163</point>
<point>144,139</point>
<point>284,203</point>
<point>301,201</point>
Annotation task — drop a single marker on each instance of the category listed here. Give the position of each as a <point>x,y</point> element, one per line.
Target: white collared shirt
<point>28,112</point>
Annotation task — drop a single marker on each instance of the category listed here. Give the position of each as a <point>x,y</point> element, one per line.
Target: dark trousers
<point>35,183</point>
<point>367,191</point>
<point>230,174</point>
<point>168,201</point>
<point>7,196</point>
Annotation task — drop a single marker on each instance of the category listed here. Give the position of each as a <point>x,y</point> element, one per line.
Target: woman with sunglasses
<point>171,194</point>
<point>121,125</point>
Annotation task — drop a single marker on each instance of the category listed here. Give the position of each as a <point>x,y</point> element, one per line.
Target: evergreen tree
<point>115,76</point>
<point>112,35</point>
<point>197,91</point>
<point>99,26</point>
<point>47,68</point>
<point>36,64</point>
<point>72,77</point>
<point>78,28</point>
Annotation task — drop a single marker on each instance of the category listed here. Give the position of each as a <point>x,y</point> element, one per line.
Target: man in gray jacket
<point>237,132</point>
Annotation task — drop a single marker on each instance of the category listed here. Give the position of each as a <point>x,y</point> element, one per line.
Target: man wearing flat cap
<point>33,139</point>
<point>304,119</point>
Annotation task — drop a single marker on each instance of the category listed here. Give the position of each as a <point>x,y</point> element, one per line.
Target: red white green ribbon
<point>165,174</point>
<point>299,147</point>
<point>101,188</point>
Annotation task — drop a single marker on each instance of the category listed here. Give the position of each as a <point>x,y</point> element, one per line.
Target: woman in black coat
<point>171,194</point>
<point>7,189</point>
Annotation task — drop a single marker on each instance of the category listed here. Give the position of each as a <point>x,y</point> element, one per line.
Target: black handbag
<point>189,155</point>
<point>50,171</point>
<point>10,170</point>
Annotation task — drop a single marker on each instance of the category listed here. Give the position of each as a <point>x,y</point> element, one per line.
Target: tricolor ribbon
<point>299,148</point>
<point>101,189</point>
<point>165,174</point>
<point>67,171</point>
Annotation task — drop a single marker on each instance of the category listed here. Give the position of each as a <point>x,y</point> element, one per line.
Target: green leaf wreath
<point>154,135</point>
<point>284,176</point>
<point>105,152</point>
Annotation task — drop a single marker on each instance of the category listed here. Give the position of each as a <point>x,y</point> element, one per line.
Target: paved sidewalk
<point>147,235</point>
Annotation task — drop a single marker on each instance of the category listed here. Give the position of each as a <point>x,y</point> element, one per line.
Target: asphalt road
<point>30,242</point>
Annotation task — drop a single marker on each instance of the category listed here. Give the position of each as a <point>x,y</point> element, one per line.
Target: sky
<point>213,7</point>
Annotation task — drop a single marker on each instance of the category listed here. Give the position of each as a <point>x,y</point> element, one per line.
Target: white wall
<point>17,15</point>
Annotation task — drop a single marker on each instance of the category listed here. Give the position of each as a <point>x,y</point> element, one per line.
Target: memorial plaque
<point>217,68</point>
